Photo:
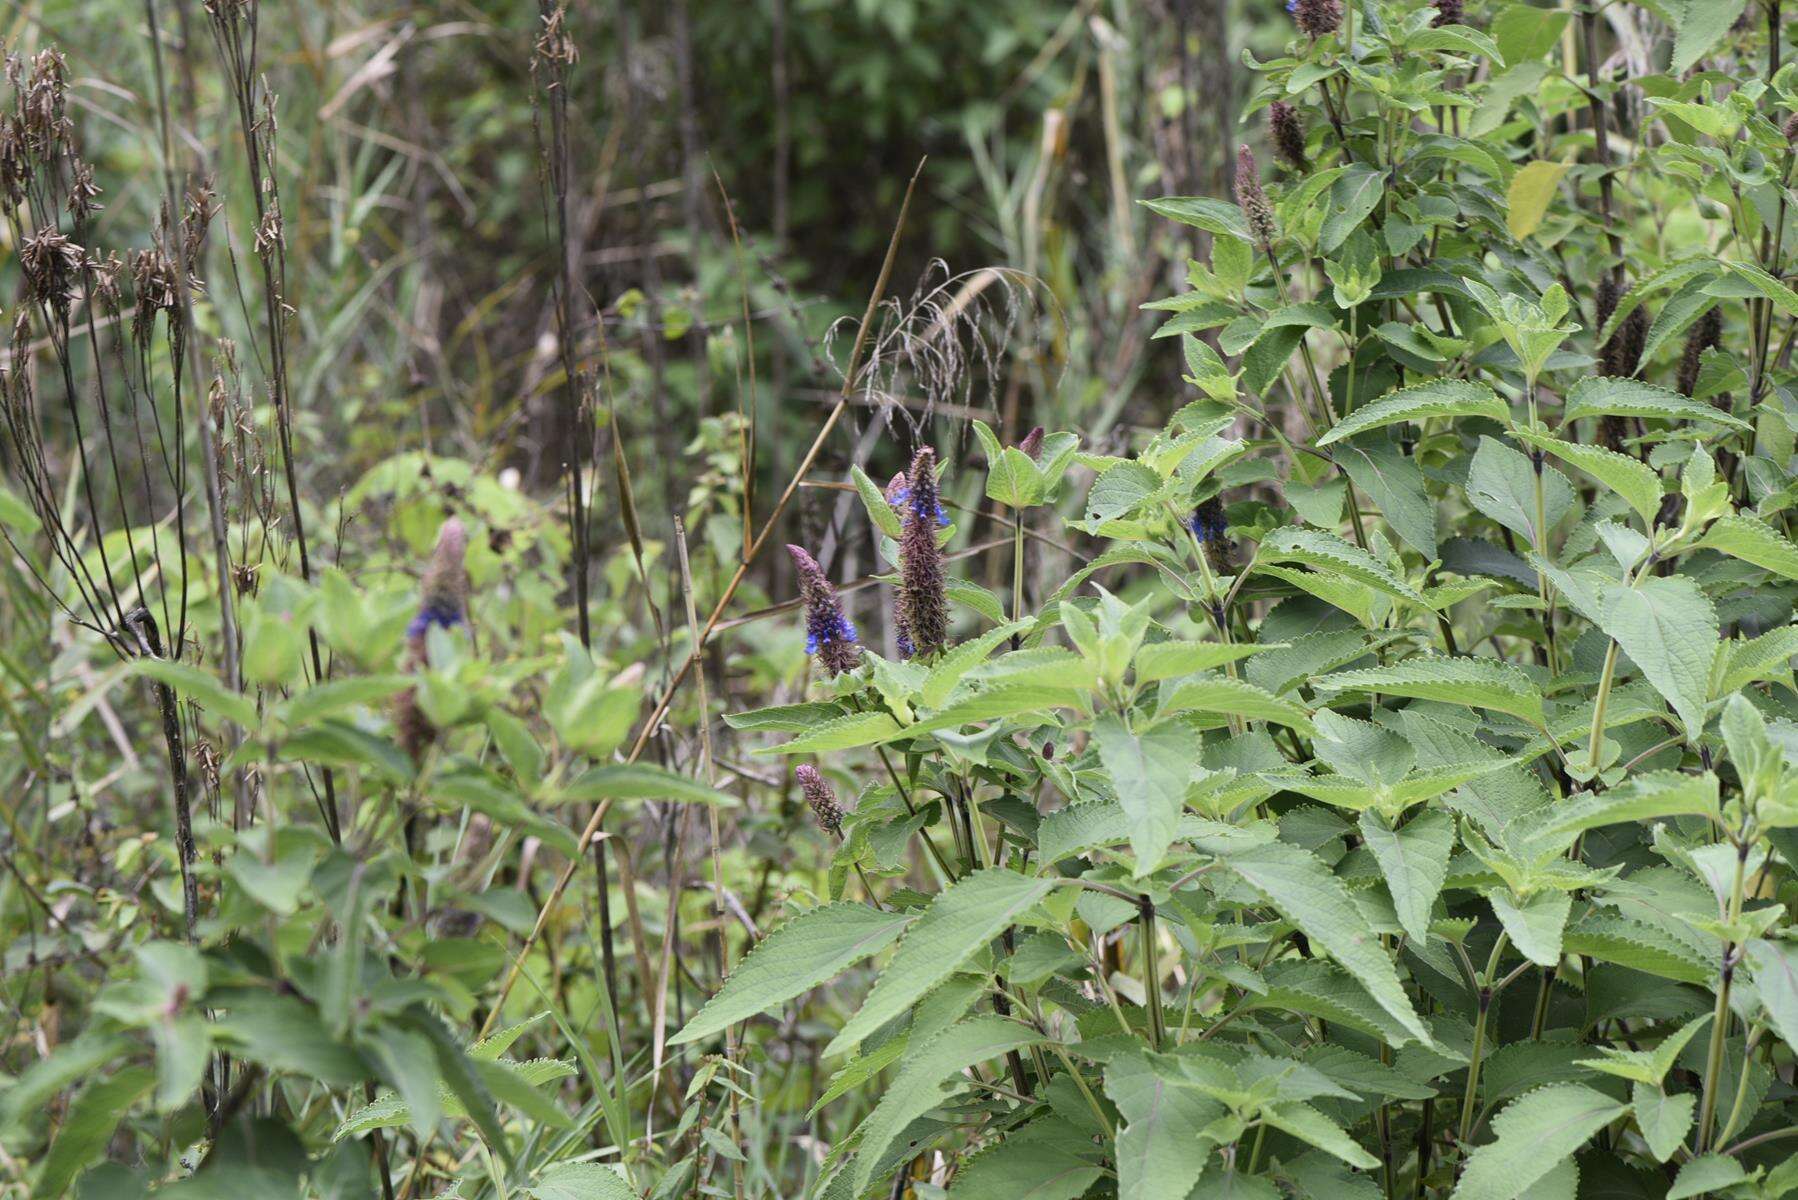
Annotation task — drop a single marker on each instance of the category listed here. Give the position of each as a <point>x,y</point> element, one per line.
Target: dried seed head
<point>1707,332</point>
<point>1032,444</point>
<point>1791,128</point>
<point>1251,197</point>
<point>1288,134</point>
<point>922,590</point>
<point>1316,17</point>
<point>823,801</point>
<point>829,636</point>
<point>155,284</point>
<point>50,262</point>
<point>1448,12</point>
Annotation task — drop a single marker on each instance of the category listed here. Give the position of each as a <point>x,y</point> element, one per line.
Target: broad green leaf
<point>1664,1120</point>
<point>1668,627</point>
<point>1535,924</point>
<point>640,781</point>
<point>1014,480</point>
<point>1647,797</point>
<point>959,661</point>
<point>1765,657</point>
<point>1420,402</point>
<point>1354,195</point>
<point>1327,553</point>
<point>1702,24</point>
<point>1536,1133</point>
<point>1312,1127</point>
<point>1150,771</point>
<point>1776,977</point>
<point>1221,694</point>
<point>1356,599</point>
<point>1752,540</point>
<point>1630,478</point>
<point>1502,484</point>
<point>959,921</point>
<point>931,1074</point>
<point>1203,212</point>
<point>1169,660</point>
<point>1602,395</point>
<point>1095,823</point>
<point>1162,1147</point>
<point>1706,1175</point>
<point>1303,890</point>
<point>1474,682</point>
<point>580,1181</point>
<point>331,698</point>
<point>1391,479</point>
<point>89,1125</point>
<point>1042,1161</point>
<point>1531,190</point>
<point>1459,37</point>
<point>202,687</point>
<point>1637,946</point>
<point>839,733</point>
<point>1414,860</point>
<point>799,955</point>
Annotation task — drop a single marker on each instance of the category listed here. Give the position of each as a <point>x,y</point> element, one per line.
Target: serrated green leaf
<point>1644,798</point>
<point>1150,771</point>
<point>1603,395</point>
<point>1664,1120</point>
<point>1420,402</point>
<point>931,1074</point>
<point>1668,627</point>
<point>1303,890</point>
<point>1162,1148</point>
<point>1535,924</point>
<point>1535,1134</point>
<point>1630,478</point>
<point>1752,540</point>
<point>804,952</point>
<point>1414,860</point>
<point>1474,682</point>
<point>973,911</point>
<point>840,733</point>
<point>1325,552</point>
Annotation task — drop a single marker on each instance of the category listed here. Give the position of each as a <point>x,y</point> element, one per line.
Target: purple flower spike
<point>443,589</point>
<point>923,598</point>
<point>829,636</point>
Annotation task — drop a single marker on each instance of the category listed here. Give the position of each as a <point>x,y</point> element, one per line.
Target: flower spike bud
<point>823,800</point>
<point>1251,197</point>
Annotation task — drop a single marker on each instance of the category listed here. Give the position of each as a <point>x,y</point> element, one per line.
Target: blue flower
<point>1208,522</point>
<point>433,614</point>
<point>837,630</point>
<point>899,497</point>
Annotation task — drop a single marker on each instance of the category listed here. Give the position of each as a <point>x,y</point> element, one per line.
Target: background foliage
<point>1349,753</point>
